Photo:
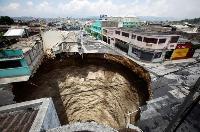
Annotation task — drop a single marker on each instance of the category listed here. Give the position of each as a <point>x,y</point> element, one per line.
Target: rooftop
<point>27,43</point>
<point>151,31</point>
<point>52,38</point>
<point>14,32</point>
<point>28,116</point>
<point>20,120</point>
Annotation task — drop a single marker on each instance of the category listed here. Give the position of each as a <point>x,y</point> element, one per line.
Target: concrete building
<point>146,45</point>
<point>108,35</point>
<point>20,60</point>
<point>108,22</point>
<point>126,22</point>
<point>98,25</point>
<point>16,32</point>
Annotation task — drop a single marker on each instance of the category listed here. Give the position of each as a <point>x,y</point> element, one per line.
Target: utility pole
<point>183,108</point>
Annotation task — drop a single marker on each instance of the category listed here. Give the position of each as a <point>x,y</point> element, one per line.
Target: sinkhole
<point>104,88</point>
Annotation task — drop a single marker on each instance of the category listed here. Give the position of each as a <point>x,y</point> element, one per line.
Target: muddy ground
<point>82,92</point>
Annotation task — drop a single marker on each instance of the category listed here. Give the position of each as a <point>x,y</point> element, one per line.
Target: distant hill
<point>155,18</point>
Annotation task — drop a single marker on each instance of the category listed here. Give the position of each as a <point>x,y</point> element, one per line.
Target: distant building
<point>126,22</point>
<point>98,25</point>
<point>187,28</point>
<point>16,32</point>
<point>107,22</point>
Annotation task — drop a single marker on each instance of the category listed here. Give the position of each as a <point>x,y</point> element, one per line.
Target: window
<point>125,34</point>
<point>133,36</point>
<point>105,39</point>
<point>117,32</point>
<point>150,40</point>
<point>174,39</point>
<point>146,56</point>
<point>136,52</point>
<point>10,64</point>
<point>108,41</point>
<point>139,38</point>
<point>157,55</point>
<point>161,41</point>
<point>122,45</point>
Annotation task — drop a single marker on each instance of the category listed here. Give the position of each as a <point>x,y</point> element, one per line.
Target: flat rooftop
<point>52,38</point>
<point>151,31</point>
<point>14,32</point>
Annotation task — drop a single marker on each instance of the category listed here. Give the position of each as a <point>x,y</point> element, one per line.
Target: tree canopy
<point>6,20</point>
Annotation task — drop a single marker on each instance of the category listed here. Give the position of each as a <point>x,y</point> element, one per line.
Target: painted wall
<point>6,55</point>
<point>28,61</point>
<point>9,53</point>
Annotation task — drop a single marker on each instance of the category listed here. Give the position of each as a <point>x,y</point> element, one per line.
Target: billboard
<point>180,53</point>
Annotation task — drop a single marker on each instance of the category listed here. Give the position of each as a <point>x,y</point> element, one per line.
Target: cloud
<point>29,3</point>
<point>11,7</point>
<point>78,8</point>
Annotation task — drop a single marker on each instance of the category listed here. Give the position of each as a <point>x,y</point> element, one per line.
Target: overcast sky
<point>84,8</point>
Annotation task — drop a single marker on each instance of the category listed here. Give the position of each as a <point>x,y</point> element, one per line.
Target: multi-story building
<point>98,25</point>
<point>20,60</point>
<point>108,35</point>
<point>126,22</point>
<point>142,44</point>
<point>112,22</point>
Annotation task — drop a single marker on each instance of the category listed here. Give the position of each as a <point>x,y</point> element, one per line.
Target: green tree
<point>6,20</point>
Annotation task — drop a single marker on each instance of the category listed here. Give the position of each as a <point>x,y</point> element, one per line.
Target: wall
<point>46,118</point>
<point>154,58</point>
<point>6,94</point>
<point>28,60</point>
<point>141,44</point>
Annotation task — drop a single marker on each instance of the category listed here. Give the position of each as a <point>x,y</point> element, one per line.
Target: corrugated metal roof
<point>14,32</point>
<point>17,121</point>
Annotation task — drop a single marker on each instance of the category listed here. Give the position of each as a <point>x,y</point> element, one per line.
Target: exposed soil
<point>83,90</point>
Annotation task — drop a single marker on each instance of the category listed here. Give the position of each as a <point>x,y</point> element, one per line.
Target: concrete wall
<point>141,44</point>
<point>46,118</point>
<point>154,51</point>
<point>6,94</point>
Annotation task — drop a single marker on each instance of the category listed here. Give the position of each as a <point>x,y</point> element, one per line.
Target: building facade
<point>148,47</point>
<point>20,61</point>
<point>126,22</point>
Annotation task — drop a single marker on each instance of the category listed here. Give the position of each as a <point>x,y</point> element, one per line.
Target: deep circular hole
<point>88,88</point>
